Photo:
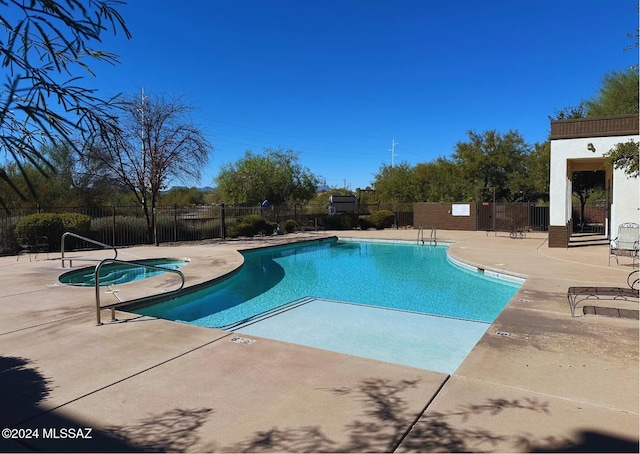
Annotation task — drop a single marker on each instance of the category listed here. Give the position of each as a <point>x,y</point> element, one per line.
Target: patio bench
<point>577,295</point>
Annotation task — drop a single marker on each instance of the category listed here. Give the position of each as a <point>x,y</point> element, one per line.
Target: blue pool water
<point>412,339</point>
<point>399,276</point>
<point>400,303</point>
<point>115,273</point>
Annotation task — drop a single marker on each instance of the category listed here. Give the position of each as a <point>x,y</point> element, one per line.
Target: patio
<point>538,380</point>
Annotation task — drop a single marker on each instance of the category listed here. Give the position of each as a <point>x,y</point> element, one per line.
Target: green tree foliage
<point>538,164</point>
<point>569,112</point>
<point>624,156</point>
<point>276,176</point>
<point>383,219</point>
<point>584,184</point>
<point>183,197</point>
<point>438,181</point>
<point>517,171</point>
<point>393,184</point>
<point>493,160</point>
<point>45,52</point>
<point>52,226</point>
<point>618,95</point>
<point>251,225</point>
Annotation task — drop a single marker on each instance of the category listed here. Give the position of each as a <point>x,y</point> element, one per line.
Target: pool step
<point>266,314</point>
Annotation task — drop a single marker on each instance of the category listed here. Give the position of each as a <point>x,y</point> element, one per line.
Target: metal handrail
<point>133,264</point>
<point>420,235</point>
<point>432,237</point>
<point>84,238</point>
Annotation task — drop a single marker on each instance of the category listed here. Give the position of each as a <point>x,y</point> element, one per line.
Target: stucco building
<point>580,145</point>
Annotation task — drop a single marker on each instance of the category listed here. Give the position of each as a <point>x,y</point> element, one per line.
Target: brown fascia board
<point>619,125</point>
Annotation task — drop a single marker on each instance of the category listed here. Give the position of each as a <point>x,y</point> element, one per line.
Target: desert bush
<point>289,225</point>
<point>383,219</point>
<point>251,225</point>
<point>348,221</point>
<point>365,223</point>
<point>52,226</point>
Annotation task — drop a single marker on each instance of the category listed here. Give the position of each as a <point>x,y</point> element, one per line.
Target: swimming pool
<point>116,273</point>
<point>406,280</point>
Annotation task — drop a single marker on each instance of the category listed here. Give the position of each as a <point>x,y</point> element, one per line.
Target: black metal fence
<point>127,225</point>
<point>512,217</point>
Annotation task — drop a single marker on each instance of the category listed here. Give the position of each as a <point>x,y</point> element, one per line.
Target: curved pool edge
<point>494,273</point>
<point>141,262</point>
<point>138,303</point>
<point>488,271</point>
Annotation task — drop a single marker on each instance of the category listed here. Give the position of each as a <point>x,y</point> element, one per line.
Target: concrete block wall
<point>439,214</point>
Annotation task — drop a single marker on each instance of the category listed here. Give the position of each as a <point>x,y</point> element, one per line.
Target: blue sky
<point>337,81</point>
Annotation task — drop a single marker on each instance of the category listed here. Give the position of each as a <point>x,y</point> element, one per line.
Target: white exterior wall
<point>625,200</point>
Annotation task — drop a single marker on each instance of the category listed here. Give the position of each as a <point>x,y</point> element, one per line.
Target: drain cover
<point>523,300</point>
<point>242,340</point>
<point>502,333</point>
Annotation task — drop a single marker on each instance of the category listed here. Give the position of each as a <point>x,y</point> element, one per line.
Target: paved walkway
<point>539,380</point>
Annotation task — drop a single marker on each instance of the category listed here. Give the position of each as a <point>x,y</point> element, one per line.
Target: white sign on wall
<point>461,209</point>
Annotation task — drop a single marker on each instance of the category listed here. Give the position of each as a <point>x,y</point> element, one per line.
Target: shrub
<point>365,223</point>
<point>383,219</point>
<point>289,225</point>
<point>348,221</point>
<point>251,225</point>
<point>77,223</point>
<point>52,226</point>
<point>128,230</point>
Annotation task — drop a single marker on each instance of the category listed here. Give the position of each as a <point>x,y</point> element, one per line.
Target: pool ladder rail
<point>88,240</point>
<point>120,302</point>
<point>433,240</point>
<point>110,289</point>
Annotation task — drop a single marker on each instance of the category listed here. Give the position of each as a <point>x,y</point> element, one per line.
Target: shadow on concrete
<point>173,431</point>
<point>385,424</point>
<point>27,427</point>
<point>591,441</point>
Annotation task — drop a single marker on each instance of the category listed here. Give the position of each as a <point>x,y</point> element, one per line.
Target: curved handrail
<point>133,264</point>
<point>432,237</point>
<point>84,238</point>
<point>631,281</point>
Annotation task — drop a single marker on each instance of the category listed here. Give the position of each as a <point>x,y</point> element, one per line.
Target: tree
<point>624,156</point>
<point>584,184</point>
<point>276,176</point>
<point>538,165</point>
<point>392,184</point>
<point>569,112</point>
<point>47,48</point>
<point>183,196</point>
<point>155,143</point>
<point>438,181</point>
<point>618,95</point>
<point>493,160</point>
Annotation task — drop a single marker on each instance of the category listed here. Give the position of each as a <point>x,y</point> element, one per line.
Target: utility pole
<point>393,150</point>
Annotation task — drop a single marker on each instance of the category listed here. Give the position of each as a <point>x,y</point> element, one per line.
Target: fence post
<point>175,222</point>
<point>223,232</point>
<point>113,231</point>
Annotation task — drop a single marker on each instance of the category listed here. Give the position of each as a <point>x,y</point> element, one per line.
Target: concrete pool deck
<point>538,380</point>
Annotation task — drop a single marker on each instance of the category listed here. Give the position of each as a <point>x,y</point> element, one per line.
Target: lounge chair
<point>36,244</point>
<point>626,243</point>
<point>576,295</point>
